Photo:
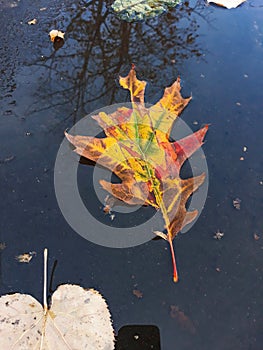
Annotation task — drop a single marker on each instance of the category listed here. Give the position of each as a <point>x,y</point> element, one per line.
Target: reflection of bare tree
<point>99,46</point>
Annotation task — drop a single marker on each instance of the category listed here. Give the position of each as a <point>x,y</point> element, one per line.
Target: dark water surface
<point>218,53</point>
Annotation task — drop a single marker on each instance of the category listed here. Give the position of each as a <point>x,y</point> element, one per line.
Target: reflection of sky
<point>220,287</point>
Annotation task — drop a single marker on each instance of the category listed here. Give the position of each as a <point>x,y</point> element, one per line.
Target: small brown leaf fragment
<point>7,159</point>
<point>32,22</point>
<point>107,209</point>
<point>2,246</point>
<point>109,203</point>
<point>237,203</point>
<point>56,34</point>
<point>256,237</point>
<point>219,235</point>
<point>26,257</point>
<point>183,321</point>
<point>137,293</point>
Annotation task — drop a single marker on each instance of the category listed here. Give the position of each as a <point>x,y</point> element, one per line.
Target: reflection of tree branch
<point>100,46</point>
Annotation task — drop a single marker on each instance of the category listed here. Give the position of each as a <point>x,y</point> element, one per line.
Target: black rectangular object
<point>138,337</point>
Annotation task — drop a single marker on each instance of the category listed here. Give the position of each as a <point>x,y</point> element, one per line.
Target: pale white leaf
<point>77,319</point>
<point>229,4</point>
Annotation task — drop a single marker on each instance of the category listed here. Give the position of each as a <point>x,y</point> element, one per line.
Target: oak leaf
<point>137,149</point>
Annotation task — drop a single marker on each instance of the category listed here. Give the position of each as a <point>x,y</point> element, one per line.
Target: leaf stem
<point>169,234</point>
<point>175,274</point>
<point>45,282</point>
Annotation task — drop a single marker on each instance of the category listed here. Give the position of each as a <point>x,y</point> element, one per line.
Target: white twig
<point>45,282</point>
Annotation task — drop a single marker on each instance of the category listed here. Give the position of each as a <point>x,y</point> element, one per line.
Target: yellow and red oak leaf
<point>137,149</point>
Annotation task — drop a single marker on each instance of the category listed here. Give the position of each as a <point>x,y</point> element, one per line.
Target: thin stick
<point>45,282</point>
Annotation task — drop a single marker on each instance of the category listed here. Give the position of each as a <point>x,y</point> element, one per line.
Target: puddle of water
<point>218,55</point>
